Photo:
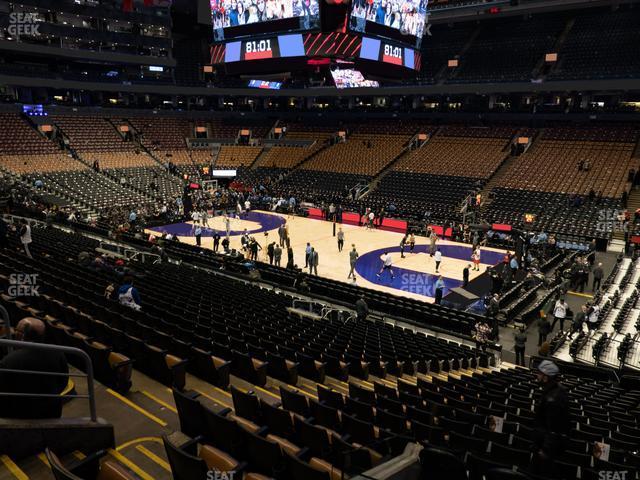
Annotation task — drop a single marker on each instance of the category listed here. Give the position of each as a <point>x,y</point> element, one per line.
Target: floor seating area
<point>555,212</point>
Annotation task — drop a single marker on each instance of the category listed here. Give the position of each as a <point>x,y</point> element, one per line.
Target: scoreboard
<point>280,46</point>
<point>345,46</point>
<point>379,50</point>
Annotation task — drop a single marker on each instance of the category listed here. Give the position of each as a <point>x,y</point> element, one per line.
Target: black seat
<point>310,368</point>
<point>250,369</point>
<point>213,369</point>
<point>186,463</point>
<point>190,413</point>
<point>313,437</point>
<point>246,405</point>
<point>510,456</point>
<point>294,402</point>
<point>282,369</point>
<point>277,420</point>
<point>265,456</point>
<point>330,397</point>
<point>438,464</point>
<point>505,474</point>
<point>222,432</point>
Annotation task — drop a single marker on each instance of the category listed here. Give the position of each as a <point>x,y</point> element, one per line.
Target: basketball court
<point>414,276</point>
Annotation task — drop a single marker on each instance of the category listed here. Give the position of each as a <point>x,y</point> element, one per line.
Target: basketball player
<point>403,243</point>
<point>227,224</point>
<point>353,257</point>
<point>387,263</point>
<point>438,259</point>
<point>412,242</point>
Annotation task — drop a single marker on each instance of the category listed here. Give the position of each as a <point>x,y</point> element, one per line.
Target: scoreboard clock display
<point>381,51</point>
<point>281,46</point>
<point>259,49</point>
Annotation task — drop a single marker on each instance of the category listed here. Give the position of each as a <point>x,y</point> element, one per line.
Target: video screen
<point>234,18</point>
<point>349,78</point>
<point>264,84</point>
<point>402,20</point>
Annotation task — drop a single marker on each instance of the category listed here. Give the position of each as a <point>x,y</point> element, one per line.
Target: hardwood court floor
<point>414,275</point>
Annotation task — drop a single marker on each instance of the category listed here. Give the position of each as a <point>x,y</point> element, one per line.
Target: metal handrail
<point>55,348</point>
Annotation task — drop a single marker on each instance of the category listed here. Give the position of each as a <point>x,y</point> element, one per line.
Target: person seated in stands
<point>551,423</point>
<point>128,294</point>
<point>32,330</point>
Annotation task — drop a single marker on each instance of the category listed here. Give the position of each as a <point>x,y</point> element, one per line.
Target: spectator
<point>25,236</point>
<point>593,314</point>
<point>579,319</point>
<point>32,330</point>
<point>559,313</point>
<point>544,327</point>
<point>520,338</point>
<point>551,423</point>
<point>465,275</point>
<point>362,308</point>
<point>598,273</point>
<point>481,335</point>
<point>439,289</point>
<point>128,294</point>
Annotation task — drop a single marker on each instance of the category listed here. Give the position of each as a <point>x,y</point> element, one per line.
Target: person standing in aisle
<point>559,313</point>
<point>520,338</point>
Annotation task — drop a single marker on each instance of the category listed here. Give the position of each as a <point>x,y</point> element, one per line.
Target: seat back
<point>313,437</point>
<point>439,463</point>
<point>190,414</point>
<point>59,471</point>
<point>223,433</point>
<point>294,402</point>
<point>300,469</point>
<point>277,420</point>
<point>183,465</point>
<point>264,456</point>
<point>246,405</point>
